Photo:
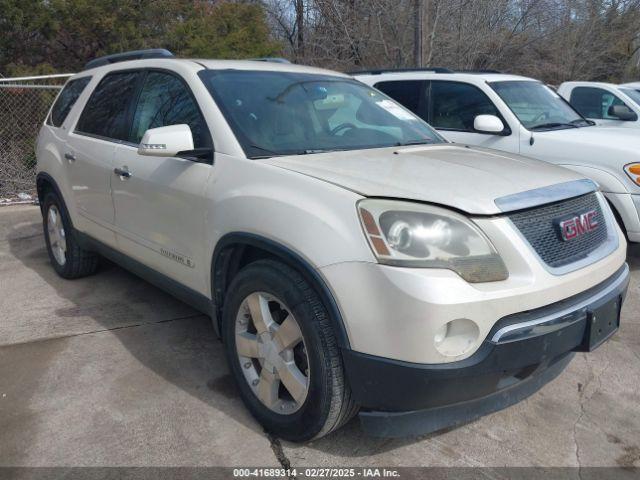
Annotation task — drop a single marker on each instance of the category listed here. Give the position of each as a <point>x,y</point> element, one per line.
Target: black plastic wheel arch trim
<point>45,177</point>
<point>288,256</point>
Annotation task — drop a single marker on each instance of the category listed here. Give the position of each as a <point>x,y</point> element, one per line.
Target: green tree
<point>223,30</point>
<point>40,36</point>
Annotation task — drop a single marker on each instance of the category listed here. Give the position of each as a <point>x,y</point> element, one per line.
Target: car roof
<point>630,85</point>
<point>197,64</point>
<point>432,75</point>
<point>589,84</point>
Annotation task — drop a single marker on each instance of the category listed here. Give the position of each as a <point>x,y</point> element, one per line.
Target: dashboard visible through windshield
<point>288,113</point>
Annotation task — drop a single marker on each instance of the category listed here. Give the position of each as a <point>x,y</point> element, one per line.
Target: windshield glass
<point>632,94</point>
<point>537,106</point>
<point>284,113</point>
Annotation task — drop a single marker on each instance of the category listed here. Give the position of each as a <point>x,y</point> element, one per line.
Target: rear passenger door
<point>160,209</point>
<point>90,149</point>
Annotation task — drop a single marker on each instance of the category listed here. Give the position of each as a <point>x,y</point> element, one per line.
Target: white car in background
<point>522,115</point>
<point>606,104</point>
<point>633,85</point>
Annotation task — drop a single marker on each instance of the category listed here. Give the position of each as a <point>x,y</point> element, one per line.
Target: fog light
<point>456,337</point>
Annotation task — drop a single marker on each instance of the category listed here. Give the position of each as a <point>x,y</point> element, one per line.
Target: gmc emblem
<point>579,225</point>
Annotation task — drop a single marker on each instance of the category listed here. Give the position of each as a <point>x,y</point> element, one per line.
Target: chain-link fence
<point>24,103</point>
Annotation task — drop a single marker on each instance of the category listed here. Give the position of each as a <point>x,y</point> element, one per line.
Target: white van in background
<point>522,115</point>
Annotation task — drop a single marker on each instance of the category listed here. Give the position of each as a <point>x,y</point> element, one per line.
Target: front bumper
<point>521,353</point>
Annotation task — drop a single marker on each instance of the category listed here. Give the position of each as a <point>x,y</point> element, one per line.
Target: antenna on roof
<point>125,56</point>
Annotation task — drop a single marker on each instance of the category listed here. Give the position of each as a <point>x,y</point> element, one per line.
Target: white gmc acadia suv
<point>351,259</point>
<point>521,115</point>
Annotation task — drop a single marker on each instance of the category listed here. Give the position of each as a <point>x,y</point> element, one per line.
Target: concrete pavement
<point>110,371</point>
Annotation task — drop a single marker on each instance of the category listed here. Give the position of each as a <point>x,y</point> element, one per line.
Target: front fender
<point>608,182</point>
<point>617,194</point>
<point>313,218</point>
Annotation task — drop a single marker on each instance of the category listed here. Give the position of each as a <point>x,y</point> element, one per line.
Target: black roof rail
<point>400,70</point>
<point>131,55</point>
<point>488,70</point>
<point>271,59</point>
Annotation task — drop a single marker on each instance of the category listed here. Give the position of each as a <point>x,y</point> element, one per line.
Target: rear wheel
<point>67,257</point>
<point>283,353</point>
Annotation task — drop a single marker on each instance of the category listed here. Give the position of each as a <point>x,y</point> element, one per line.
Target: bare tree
<point>553,40</point>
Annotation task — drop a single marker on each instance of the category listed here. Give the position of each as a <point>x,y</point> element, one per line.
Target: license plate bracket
<point>602,322</point>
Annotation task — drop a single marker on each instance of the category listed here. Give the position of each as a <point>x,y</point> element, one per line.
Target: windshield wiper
<point>270,153</point>
<point>415,142</point>
<point>543,126</point>
<point>582,122</point>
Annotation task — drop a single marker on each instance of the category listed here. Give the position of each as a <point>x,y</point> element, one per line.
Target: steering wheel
<point>342,126</point>
<point>542,116</point>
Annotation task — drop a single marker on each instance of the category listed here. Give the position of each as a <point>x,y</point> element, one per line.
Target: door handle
<point>70,156</point>
<point>122,172</point>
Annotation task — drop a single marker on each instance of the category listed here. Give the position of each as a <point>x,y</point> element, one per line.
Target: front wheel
<point>283,353</point>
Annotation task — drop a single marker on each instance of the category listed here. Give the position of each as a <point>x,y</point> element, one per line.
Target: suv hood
<point>467,179</point>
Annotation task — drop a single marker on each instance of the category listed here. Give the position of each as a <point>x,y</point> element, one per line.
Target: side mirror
<point>623,113</point>
<point>166,141</point>
<point>488,124</point>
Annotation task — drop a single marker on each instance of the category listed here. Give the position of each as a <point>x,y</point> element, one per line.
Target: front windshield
<point>632,94</point>
<point>537,106</point>
<point>284,113</point>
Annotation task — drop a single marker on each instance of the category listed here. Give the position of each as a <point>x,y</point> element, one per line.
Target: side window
<point>406,92</point>
<point>594,102</point>
<point>165,100</point>
<point>66,100</point>
<point>455,105</point>
<point>105,114</point>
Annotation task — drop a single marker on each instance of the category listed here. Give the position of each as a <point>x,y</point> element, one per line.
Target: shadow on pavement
<point>170,339</point>
<point>191,358</point>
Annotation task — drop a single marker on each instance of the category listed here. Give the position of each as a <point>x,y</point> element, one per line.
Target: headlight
<point>414,235</point>
<point>633,170</point>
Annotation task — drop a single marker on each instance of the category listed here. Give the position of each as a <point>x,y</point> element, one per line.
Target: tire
<point>327,404</point>
<point>69,260</point>
<point>618,218</point>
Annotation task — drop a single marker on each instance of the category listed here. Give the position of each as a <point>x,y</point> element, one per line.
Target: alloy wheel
<point>272,353</point>
<point>57,238</point>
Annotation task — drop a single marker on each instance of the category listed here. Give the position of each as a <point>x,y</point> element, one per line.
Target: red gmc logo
<point>578,225</point>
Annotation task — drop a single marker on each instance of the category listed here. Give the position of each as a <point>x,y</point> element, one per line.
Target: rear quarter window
<point>66,100</point>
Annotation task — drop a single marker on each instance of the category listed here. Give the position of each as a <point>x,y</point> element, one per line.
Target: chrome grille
<point>540,227</point>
